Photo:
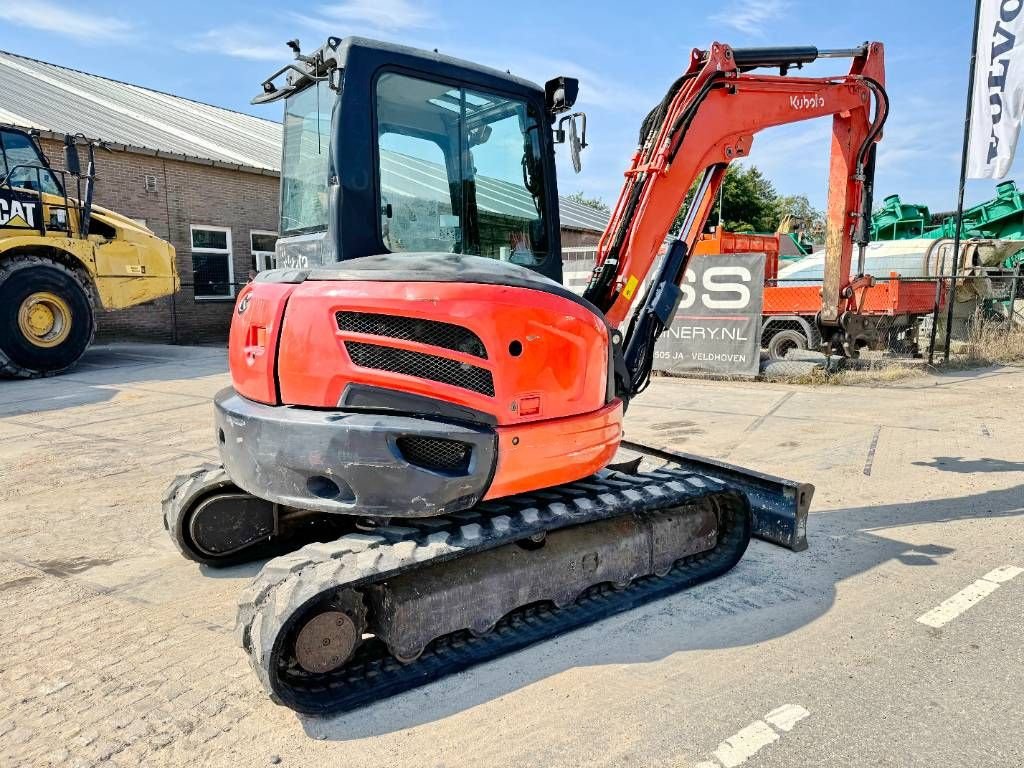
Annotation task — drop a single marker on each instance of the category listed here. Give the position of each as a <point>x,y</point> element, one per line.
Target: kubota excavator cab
<point>389,150</point>
<point>415,365</point>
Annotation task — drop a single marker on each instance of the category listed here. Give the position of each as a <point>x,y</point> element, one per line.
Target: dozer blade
<point>780,506</point>
<point>337,626</point>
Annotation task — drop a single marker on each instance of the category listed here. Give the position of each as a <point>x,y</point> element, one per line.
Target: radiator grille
<point>421,366</point>
<point>436,453</point>
<point>434,332</point>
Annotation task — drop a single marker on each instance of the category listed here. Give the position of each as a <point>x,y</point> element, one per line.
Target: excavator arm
<point>708,119</point>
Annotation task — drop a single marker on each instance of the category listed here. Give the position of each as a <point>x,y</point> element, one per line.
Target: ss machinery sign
<point>717,327</point>
<point>19,211</point>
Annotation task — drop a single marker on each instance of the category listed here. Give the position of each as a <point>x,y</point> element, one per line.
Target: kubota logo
<point>814,101</point>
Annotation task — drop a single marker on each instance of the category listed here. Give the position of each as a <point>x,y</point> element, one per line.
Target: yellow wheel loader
<point>62,258</point>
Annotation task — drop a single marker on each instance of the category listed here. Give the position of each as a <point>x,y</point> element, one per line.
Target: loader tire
<point>46,317</point>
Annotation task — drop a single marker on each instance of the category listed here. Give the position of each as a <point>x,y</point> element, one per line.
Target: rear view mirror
<point>479,135</point>
<point>71,163</point>
<point>574,147</point>
<point>577,140</point>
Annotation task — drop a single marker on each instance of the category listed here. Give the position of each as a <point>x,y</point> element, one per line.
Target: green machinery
<point>998,219</point>
<point>1001,218</point>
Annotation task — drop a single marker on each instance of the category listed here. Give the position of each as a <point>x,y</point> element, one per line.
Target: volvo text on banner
<point>998,88</point>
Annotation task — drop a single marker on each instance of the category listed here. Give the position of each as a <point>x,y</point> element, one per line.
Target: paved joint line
<point>757,423</point>
<point>114,593</point>
<point>740,747</point>
<point>810,419</point>
<point>123,417</point>
<point>771,411</point>
<point>137,415</point>
<point>870,461</point>
<point>124,441</point>
<point>970,595</point>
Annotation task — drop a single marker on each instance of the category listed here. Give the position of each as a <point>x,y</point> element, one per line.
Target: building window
<point>261,245</point>
<point>212,270</point>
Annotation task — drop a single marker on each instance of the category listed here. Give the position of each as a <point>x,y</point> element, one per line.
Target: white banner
<point>998,89</point>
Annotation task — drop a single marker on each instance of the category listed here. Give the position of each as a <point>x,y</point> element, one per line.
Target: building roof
<point>60,100</point>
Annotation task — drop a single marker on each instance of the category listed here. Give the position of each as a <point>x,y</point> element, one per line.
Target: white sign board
<point>717,327</point>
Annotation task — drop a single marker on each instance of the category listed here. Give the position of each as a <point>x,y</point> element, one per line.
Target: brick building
<point>202,177</point>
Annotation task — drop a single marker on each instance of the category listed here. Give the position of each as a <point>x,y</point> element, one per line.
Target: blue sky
<point>625,55</point>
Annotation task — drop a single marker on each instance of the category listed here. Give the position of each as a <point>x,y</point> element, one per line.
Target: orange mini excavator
<point>424,425</point>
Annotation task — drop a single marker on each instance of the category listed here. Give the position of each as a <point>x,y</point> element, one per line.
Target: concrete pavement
<point>114,649</point>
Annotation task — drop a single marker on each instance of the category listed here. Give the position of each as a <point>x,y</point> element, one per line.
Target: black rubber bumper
<point>348,462</point>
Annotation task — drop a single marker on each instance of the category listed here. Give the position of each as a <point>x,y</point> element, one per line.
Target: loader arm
<point>707,120</point>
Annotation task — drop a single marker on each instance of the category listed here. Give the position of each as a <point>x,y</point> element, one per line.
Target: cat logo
<point>18,214</point>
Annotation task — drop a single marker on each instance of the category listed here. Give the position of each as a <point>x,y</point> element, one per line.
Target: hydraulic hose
<point>597,290</point>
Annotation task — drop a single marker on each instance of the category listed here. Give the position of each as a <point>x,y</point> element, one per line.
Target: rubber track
<point>182,494</point>
<point>288,585</point>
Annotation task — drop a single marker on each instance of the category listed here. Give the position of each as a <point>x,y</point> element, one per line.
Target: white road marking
<point>755,737</point>
<point>786,716</point>
<point>1000,575</point>
<point>974,593</point>
<point>745,744</point>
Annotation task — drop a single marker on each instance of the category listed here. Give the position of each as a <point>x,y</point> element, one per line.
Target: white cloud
<point>597,91</point>
<point>751,17</point>
<point>60,20</point>
<point>918,134</point>
<point>368,16</point>
<point>240,42</point>
<point>383,14</point>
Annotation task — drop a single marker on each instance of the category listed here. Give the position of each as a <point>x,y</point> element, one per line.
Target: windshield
<point>22,166</point>
<point>461,171</point>
<point>307,130</point>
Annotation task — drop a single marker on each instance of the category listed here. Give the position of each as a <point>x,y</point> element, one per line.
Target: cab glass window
<point>22,165</point>
<point>461,171</point>
<point>307,139</point>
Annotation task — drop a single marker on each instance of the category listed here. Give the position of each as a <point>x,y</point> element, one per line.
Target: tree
<point>751,204</point>
<point>748,201</point>
<point>810,220</point>
<point>591,202</point>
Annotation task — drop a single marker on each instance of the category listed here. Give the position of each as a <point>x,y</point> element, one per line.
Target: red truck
<point>887,311</point>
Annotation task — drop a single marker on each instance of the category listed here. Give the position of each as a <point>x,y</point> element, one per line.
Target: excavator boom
<point>707,120</point>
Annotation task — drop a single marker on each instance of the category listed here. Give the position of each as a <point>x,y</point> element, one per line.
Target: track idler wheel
<point>329,637</point>
<point>213,522</point>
